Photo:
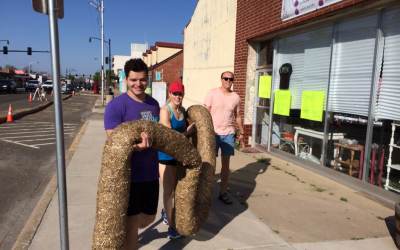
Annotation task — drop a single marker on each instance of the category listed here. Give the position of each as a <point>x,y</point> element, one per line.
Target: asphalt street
<point>18,101</point>
<point>27,160</point>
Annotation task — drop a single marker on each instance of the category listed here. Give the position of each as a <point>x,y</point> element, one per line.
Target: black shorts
<point>143,198</point>
<point>169,162</point>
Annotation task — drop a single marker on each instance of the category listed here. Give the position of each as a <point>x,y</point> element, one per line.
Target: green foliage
<point>97,77</point>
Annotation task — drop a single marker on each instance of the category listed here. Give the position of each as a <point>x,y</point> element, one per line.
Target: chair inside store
<point>286,142</point>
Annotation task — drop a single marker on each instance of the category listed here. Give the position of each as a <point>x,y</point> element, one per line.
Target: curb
<point>31,226</point>
<point>27,111</point>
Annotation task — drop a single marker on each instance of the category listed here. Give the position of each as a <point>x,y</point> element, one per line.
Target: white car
<point>48,85</point>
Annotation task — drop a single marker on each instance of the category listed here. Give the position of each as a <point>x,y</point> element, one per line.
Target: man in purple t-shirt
<point>131,106</point>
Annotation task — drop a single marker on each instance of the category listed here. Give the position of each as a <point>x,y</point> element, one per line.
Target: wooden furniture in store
<point>354,166</point>
<point>313,134</point>
<point>390,165</point>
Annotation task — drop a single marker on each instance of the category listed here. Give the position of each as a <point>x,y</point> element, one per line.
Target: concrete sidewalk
<point>227,227</point>
<point>240,226</point>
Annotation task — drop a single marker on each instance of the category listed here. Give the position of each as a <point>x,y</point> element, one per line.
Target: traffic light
<point>5,50</point>
<point>106,59</point>
<point>29,50</point>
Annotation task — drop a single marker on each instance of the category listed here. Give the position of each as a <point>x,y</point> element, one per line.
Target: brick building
<point>168,70</point>
<point>320,78</point>
<point>165,61</point>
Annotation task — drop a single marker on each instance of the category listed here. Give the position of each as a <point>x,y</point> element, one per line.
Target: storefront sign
<point>295,8</point>
<point>282,102</point>
<point>312,105</point>
<point>264,86</point>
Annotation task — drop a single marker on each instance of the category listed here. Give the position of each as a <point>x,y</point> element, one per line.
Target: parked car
<point>48,86</point>
<point>8,86</point>
<point>67,88</point>
<point>31,85</point>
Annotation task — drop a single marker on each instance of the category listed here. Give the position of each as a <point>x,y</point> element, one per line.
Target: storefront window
<point>384,169</point>
<point>343,74</point>
<point>350,94</point>
<point>263,108</point>
<point>265,54</point>
<point>301,77</point>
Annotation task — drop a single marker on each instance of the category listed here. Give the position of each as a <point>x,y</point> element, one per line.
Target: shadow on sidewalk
<point>242,184</point>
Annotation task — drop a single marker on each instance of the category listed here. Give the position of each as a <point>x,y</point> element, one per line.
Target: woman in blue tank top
<point>172,115</point>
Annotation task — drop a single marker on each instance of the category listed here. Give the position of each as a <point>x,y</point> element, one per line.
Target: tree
<point>71,77</point>
<point>97,77</point>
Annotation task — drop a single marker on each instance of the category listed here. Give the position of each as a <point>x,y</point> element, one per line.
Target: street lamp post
<point>30,66</point>
<point>109,55</point>
<point>99,5</point>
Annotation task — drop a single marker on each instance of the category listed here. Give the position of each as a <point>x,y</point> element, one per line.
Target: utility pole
<point>99,5</point>
<point>109,55</point>
<point>102,52</point>
<point>109,62</point>
<point>55,9</point>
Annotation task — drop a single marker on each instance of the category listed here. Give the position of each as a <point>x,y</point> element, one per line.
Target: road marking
<point>25,136</point>
<point>22,144</point>
<point>30,129</point>
<point>31,134</point>
<point>43,144</point>
<point>34,131</point>
<point>16,123</point>
<point>42,139</point>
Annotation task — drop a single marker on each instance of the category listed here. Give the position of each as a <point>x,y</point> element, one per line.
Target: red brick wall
<point>256,18</point>
<point>171,68</point>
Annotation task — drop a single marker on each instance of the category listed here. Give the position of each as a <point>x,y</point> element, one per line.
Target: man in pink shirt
<point>223,105</point>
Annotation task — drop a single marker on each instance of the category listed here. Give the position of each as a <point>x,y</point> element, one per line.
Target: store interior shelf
<point>394,145</point>
<point>394,166</point>
<point>393,188</point>
<point>390,165</point>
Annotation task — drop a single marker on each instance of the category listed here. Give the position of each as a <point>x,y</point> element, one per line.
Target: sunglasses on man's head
<point>177,93</point>
<point>228,79</point>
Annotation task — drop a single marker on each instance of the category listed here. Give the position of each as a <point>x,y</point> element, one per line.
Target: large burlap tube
<point>113,186</point>
<point>194,188</point>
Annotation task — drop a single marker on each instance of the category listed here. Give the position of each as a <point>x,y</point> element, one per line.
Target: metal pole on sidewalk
<point>61,180</point>
<point>102,50</point>
<point>109,62</point>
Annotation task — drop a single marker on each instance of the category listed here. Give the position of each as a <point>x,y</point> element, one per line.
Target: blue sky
<point>125,21</point>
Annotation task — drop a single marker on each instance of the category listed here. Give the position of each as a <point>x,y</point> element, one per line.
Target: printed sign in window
<point>282,102</point>
<point>312,105</point>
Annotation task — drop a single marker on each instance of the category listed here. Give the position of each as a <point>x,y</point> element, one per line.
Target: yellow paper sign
<point>312,105</point>
<point>282,102</point>
<point>264,86</point>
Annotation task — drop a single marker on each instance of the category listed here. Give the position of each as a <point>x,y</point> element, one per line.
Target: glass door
<point>262,108</point>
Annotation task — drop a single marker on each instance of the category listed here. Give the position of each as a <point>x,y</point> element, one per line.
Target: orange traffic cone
<point>9,115</point>
<point>30,97</point>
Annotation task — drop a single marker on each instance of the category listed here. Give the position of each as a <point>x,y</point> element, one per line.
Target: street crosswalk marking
<point>25,136</point>
<point>35,128</point>
<point>33,134</point>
